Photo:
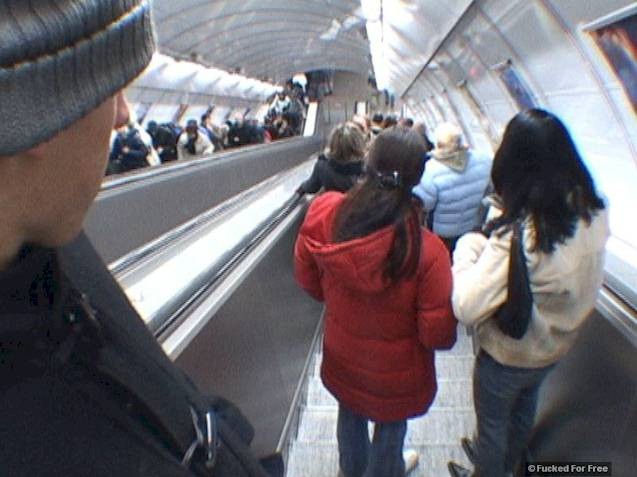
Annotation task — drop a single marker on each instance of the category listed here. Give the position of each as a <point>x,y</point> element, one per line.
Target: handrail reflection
<point>165,276</point>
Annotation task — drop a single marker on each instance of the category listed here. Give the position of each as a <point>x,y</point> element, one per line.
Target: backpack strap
<point>131,357</point>
<point>109,336</point>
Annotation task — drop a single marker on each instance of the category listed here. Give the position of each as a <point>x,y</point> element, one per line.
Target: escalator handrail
<point>619,312</point>
<point>128,261</point>
<point>196,316</point>
<point>150,257</point>
<point>219,271</point>
<point>174,166</point>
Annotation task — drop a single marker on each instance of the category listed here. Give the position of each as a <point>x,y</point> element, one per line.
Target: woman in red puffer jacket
<point>386,284</point>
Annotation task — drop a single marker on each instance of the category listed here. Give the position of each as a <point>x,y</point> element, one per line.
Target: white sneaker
<point>411,460</point>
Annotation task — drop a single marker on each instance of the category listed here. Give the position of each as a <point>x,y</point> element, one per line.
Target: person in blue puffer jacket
<point>453,185</point>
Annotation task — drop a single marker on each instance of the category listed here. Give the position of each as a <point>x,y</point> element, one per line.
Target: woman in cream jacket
<point>542,182</point>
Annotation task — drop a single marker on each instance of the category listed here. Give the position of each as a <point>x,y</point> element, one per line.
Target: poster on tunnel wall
<point>481,116</point>
<point>516,87</point>
<point>618,43</point>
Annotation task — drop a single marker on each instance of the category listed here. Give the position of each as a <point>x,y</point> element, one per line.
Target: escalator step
<point>321,460</point>
<point>436,436</point>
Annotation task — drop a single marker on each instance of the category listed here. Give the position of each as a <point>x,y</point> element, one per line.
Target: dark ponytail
<point>395,165</point>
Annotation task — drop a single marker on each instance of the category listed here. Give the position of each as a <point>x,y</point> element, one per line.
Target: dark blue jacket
<point>135,158</point>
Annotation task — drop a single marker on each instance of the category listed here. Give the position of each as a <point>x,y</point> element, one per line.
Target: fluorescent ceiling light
<point>372,12</point>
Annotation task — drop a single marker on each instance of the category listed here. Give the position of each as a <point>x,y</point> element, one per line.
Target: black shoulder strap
<point>514,315</point>
<point>132,358</point>
<point>130,355</point>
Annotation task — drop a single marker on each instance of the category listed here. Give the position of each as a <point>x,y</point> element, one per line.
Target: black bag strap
<point>132,378</point>
<point>113,408</point>
<point>518,269</point>
<point>514,316</point>
<point>483,209</point>
<point>167,397</point>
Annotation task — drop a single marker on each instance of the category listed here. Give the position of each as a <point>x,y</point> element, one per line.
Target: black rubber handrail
<point>139,175</point>
<point>199,289</point>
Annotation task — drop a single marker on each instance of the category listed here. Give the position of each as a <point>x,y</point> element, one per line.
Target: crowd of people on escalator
<point>407,237</point>
<point>133,147</point>
<point>86,389</point>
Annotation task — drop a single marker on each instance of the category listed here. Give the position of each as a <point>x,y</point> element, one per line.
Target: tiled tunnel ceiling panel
<point>411,31</point>
<point>271,39</point>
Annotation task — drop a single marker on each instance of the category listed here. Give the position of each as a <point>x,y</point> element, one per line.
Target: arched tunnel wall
<point>547,46</point>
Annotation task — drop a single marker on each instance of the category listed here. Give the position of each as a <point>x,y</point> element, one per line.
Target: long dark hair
<point>538,172</point>
<point>395,164</point>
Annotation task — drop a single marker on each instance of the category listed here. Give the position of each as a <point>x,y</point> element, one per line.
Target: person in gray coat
<point>453,185</point>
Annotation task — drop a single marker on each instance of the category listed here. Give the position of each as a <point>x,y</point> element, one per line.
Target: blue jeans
<point>383,457</point>
<point>505,400</point>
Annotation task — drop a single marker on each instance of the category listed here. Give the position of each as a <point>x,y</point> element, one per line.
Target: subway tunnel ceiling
<point>271,39</point>
<point>274,39</point>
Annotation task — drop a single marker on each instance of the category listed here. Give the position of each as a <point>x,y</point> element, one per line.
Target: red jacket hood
<point>357,264</point>
<point>378,339</point>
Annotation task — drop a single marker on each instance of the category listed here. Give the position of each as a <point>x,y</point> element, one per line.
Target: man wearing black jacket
<point>84,387</point>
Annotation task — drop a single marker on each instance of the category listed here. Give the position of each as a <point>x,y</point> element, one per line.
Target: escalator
<point>215,285</point>
<point>435,436</point>
<point>219,295</point>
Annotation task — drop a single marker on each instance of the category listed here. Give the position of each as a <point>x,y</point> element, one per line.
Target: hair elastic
<point>387,180</point>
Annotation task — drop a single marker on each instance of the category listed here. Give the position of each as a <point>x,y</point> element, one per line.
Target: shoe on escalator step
<point>456,470</point>
<point>410,456</point>
<point>469,448</point>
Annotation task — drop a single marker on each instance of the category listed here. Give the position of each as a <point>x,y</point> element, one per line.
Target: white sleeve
<point>480,273</point>
<point>181,146</point>
<point>208,148</point>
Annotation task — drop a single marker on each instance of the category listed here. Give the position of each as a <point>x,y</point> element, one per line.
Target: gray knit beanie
<point>60,59</point>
